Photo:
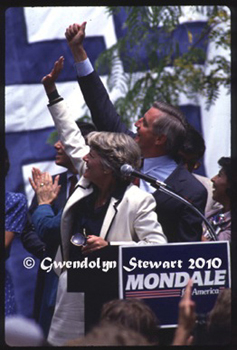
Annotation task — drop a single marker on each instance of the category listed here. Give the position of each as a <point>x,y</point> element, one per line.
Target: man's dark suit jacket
<point>180,223</point>
<point>46,246</point>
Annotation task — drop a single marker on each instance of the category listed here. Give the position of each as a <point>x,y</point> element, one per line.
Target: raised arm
<point>102,110</point>
<point>68,131</point>
<point>187,318</point>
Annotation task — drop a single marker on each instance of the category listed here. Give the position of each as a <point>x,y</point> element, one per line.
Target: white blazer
<point>130,220</point>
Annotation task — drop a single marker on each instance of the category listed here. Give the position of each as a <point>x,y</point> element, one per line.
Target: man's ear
<point>160,140</point>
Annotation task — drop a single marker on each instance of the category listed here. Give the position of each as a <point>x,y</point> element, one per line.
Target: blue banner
<point>159,275</point>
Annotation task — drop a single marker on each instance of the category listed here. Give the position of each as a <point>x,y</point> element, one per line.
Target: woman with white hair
<point>105,205</point>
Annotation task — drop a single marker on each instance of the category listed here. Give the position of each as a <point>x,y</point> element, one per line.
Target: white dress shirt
<point>157,167</point>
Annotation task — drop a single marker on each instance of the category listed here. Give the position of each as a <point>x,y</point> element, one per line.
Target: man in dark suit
<point>45,244</point>
<point>160,132</point>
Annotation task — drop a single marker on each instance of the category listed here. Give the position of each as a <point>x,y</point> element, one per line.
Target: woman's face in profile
<point>220,185</point>
<point>95,171</point>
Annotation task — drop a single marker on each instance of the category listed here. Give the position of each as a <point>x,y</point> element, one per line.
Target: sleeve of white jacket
<point>69,134</point>
<point>146,224</point>
<point>143,220</point>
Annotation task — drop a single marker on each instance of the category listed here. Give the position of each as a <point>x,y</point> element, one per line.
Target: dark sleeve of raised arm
<point>102,110</point>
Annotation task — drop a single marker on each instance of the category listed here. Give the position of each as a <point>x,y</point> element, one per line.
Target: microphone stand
<point>181,199</point>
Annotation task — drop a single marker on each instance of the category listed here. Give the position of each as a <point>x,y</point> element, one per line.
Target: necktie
<point>73,180</point>
<point>136,181</point>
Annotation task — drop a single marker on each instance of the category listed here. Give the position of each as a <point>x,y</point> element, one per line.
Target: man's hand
<point>75,35</point>
<point>43,185</point>
<point>49,80</point>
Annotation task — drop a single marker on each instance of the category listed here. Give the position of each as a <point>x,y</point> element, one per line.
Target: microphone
<point>127,170</point>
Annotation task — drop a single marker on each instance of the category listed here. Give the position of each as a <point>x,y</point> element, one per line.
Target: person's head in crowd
<point>161,130</point>
<point>62,158</point>
<point>132,314</point>
<point>108,152</point>
<point>192,149</point>
<point>110,334</point>
<point>219,320</point>
<point>222,183</point>
<point>23,332</point>
<point>6,162</point>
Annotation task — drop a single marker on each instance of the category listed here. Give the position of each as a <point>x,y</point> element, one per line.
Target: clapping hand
<point>44,187</point>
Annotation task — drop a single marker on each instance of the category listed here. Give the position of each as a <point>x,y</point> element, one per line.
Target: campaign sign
<point>159,275</point>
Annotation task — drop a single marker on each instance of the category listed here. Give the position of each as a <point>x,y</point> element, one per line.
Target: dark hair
<point>171,123</point>
<point>85,127</point>
<point>192,149</point>
<point>6,162</point>
<point>110,334</point>
<point>225,163</point>
<point>193,143</point>
<point>229,166</point>
<point>219,319</point>
<point>133,314</point>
